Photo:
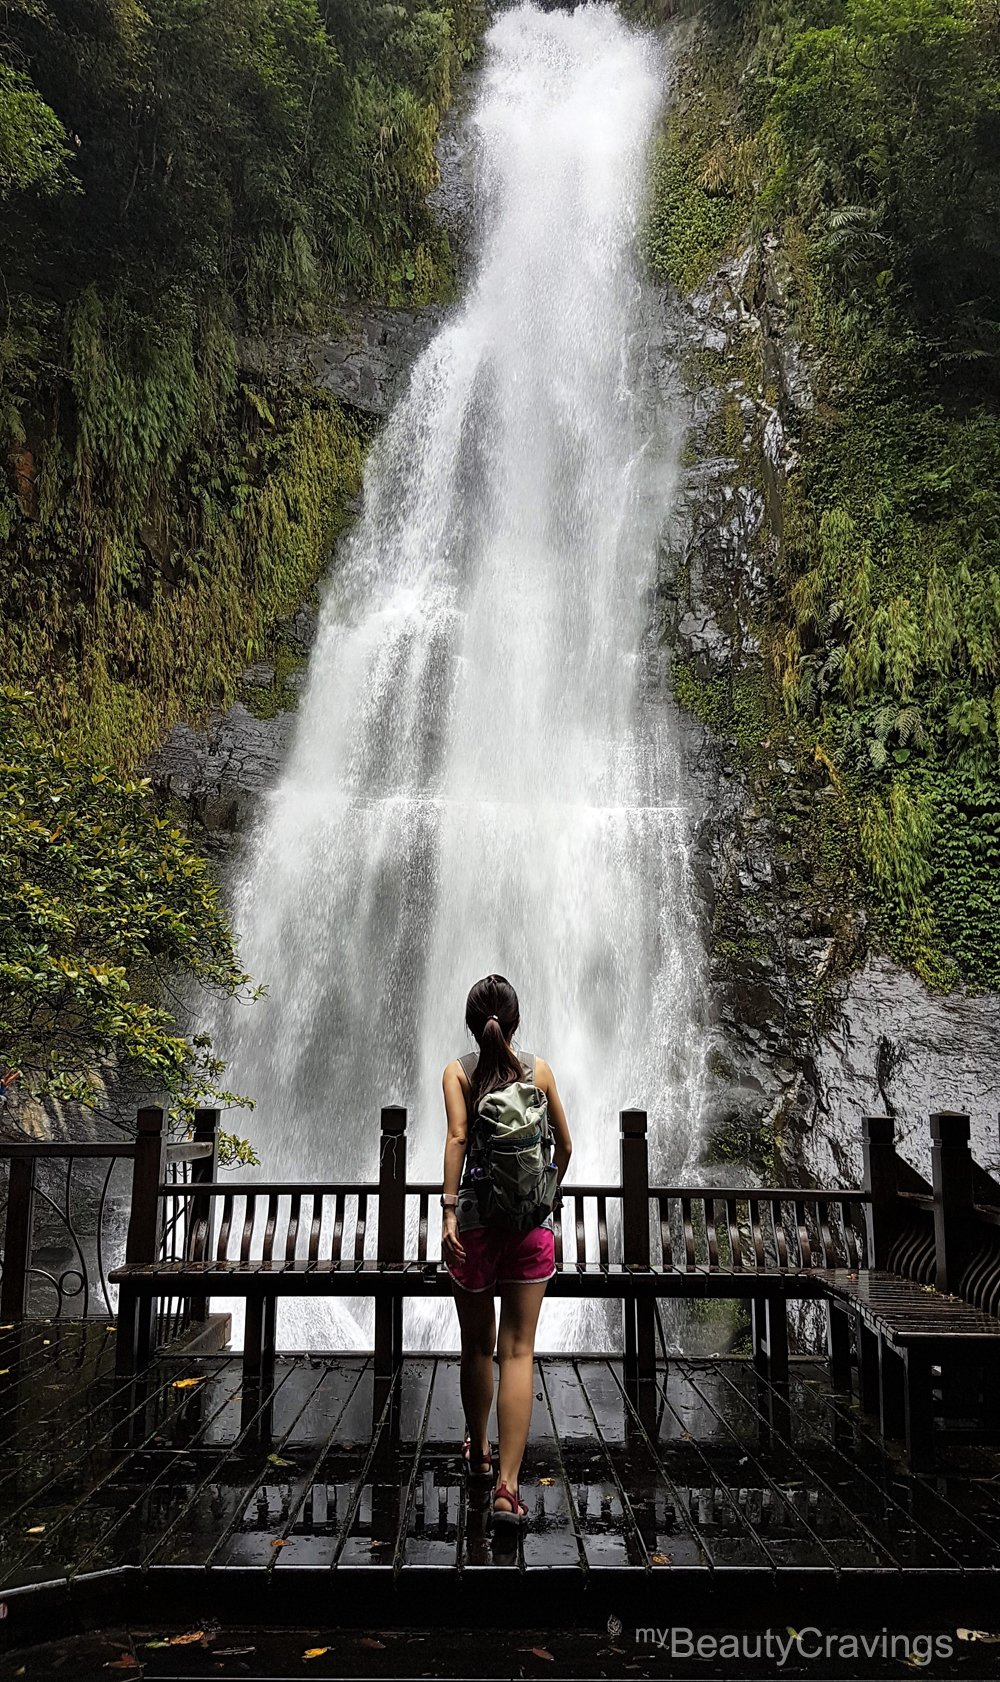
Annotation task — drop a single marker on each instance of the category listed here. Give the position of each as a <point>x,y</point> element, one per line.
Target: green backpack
<point>519,1187</point>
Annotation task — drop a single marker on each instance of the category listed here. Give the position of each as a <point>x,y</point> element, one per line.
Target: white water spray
<point>480,781</point>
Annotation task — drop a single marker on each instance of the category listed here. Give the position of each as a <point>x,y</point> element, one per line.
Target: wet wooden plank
<point>551,1536</point>
<point>784,1510</point>
<point>716,1518</point>
<point>607,1531</point>
<point>432,1510</point>
<point>658,1508</point>
<point>874,1513</point>
<point>281,1488</point>
<point>81,1511</point>
<point>950,1508</point>
<point>218,1489</point>
<point>314,1528</point>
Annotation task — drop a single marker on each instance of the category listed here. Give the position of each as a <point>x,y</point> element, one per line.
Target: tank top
<point>474,1168</point>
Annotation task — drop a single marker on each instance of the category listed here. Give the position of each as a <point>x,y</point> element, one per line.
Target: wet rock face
<point>367,364</point>
<point>810,1030</point>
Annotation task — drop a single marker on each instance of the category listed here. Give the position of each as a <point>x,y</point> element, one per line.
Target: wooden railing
<point>43,1175</point>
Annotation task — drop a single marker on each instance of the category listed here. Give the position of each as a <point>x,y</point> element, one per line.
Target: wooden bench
<point>924,1317</point>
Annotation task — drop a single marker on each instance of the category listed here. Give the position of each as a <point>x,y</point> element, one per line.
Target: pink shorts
<point>494,1257</point>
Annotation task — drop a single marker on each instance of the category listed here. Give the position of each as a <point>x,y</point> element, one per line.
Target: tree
<point>107,910</point>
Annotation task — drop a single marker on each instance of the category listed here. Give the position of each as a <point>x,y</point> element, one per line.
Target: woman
<point>485,1261</point>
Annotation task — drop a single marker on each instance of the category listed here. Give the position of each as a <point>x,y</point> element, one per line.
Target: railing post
<point>142,1243</point>
<point>881,1181</point>
<point>391,1233</point>
<point>198,1237</point>
<point>951,1177</point>
<point>17,1238</point>
<point>637,1312</point>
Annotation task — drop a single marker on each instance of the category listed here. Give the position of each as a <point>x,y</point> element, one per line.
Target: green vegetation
<point>106,908</point>
<point>176,180</point>
<point>181,185</point>
<point>870,132</point>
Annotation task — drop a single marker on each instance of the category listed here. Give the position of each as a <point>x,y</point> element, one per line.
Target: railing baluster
<point>710,1234</point>
<point>581,1234</point>
<point>666,1241</point>
<point>780,1235</point>
<point>558,1232</point>
<point>759,1257</point>
<point>689,1250</point>
<point>423,1216</point>
<point>315,1227</point>
<point>294,1213</point>
<point>736,1248</point>
<point>828,1248</point>
<point>359,1227</point>
<point>337,1236</point>
<point>222,1247</point>
<point>249,1220</point>
<point>805,1245</point>
<point>271,1223</point>
<point>602,1229</point>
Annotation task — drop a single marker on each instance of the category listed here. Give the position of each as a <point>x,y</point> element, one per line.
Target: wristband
<point>449,1200</point>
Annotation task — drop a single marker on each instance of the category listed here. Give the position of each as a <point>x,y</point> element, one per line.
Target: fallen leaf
<point>231,1652</point>
<point>280,1542</point>
<point>186,1383</point>
<point>371,1641</point>
<point>186,1640</point>
<point>5,1370</point>
<point>546,1483</point>
<point>315,1652</point>
<point>662,1559</point>
<point>126,1662</point>
<point>36,1530</point>
<point>976,1635</point>
<point>9,1328</point>
<point>157,1643</point>
<point>276,1460</point>
<point>538,1653</point>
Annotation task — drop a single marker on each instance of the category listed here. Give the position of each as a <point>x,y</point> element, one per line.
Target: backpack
<point>518,1190</point>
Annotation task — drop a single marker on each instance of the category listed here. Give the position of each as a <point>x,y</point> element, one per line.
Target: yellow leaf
<point>662,1559</point>
<point>546,1483</point>
<point>186,1640</point>
<point>279,1542</point>
<point>4,1371</point>
<point>36,1530</point>
<point>315,1652</point>
<point>186,1383</point>
<point>976,1635</point>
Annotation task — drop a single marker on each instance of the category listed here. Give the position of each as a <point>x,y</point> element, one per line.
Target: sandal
<point>518,1509</point>
<point>477,1465</point>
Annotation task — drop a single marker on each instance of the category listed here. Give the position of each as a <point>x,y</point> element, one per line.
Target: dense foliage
<point>179,180</point>
<point>106,908</point>
<point>867,134</point>
<point>181,184</point>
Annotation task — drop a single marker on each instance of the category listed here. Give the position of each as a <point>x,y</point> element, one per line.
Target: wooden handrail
<point>19,1149</point>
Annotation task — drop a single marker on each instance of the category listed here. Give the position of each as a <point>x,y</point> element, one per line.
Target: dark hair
<point>492,1015</point>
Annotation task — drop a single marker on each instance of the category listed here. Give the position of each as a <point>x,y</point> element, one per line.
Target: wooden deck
<point>785,1499</point>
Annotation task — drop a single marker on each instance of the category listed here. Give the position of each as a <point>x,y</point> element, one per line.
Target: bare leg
<point>519,1310</point>
<point>477,1320</point>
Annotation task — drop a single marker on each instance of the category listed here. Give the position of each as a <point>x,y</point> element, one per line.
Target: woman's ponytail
<point>492,1016</point>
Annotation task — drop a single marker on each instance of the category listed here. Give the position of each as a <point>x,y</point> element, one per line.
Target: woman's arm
<point>563,1143</point>
<point>454,1156</point>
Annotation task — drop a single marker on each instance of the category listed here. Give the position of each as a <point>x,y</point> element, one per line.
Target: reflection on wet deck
<point>727,1475</point>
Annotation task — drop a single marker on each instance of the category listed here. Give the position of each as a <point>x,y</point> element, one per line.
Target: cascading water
<point>481,780</point>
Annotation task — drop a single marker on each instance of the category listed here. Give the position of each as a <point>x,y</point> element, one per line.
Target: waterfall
<point>484,775</point>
